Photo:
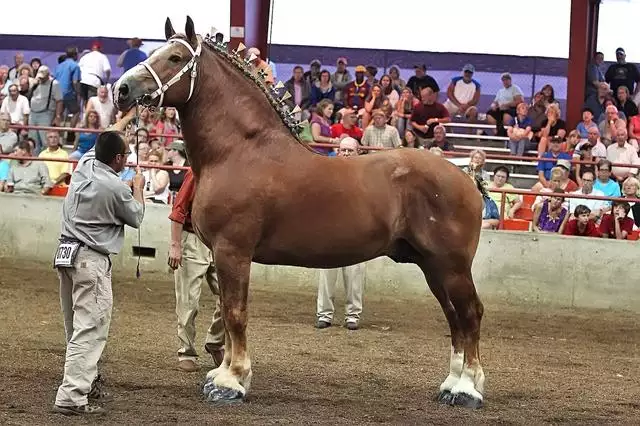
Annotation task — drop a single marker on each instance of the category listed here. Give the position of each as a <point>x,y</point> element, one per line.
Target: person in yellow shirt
<point>58,171</point>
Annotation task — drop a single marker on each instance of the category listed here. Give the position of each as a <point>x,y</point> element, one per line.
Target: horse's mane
<point>273,94</point>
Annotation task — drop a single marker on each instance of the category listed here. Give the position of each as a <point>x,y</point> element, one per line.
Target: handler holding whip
<point>95,210</point>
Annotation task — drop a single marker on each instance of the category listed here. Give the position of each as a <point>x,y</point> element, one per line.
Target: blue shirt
<point>5,166</point>
<point>132,58</point>
<point>610,189</point>
<point>522,123</point>
<point>66,73</point>
<point>546,166</point>
<point>489,209</point>
<point>86,141</point>
<point>584,130</point>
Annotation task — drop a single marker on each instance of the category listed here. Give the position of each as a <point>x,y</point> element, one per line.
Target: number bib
<point>66,254</point>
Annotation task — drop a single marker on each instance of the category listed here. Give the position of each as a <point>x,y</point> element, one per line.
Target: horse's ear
<point>189,29</point>
<point>168,29</point>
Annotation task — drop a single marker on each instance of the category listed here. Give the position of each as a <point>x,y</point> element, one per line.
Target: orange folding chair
<point>516,225</point>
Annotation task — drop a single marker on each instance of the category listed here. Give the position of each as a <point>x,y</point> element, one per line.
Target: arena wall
<point>536,269</point>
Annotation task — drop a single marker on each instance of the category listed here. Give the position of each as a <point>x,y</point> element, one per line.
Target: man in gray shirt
<point>7,138</point>
<point>94,212</point>
<point>46,106</point>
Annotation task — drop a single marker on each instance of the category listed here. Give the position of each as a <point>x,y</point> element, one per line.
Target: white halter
<point>191,65</point>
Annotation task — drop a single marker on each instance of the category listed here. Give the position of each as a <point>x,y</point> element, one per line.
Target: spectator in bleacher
<point>594,75</point>
<point>313,74</point>
<point>356,91</point>
<point>26,176</point>
<point>625,104</point>
<point>339,79</point>
<point>17,106</point>
<point>585,154</point>
<point>132,56</point>
<point>477,160</point>
<point>404,109</point>
<point>490,213</point>
<point>549,95</point>
<point>25,71</point>
<point>178,158</point>
<point>537,113</point>
<point>463,94</point>
<point>560,180</point>
<point>631,189</point>
<point>300,89</point>
<point>553,126</point>
<point>95,71</point>
<point>586,123</point>
<point>168,124</point>
<point>544,167</point>
<point>25,88</point>
<point>375,101</point>
<point>596,102</point>
<point>596,207</point>
<point>573,139</point>
<point>58,171</point>
<point>520,133</point>
<point>593,139</point>
<point>428,114</point>
<point>440,139</point>
<point>370,75</point>
<point>622,152</point>
<point>409,140</point>
<point>260,64</point>
<point>397,82</point>
<point>145,121</point>
<point>86,140</point>
<point>321,125</point>
<point>634,128</point>
<point>35,63</point>
<point>8,138</point>
<point>582,224</point>
<point>604,183</point>
<point>103,105</point>
<point>610,125</point>
<point>322,89</point>
<point>156,181</point>
<point>4,79</point>
<point>421,80</point>
<point>622,73</point>
<point>617,224</point>
<point>380,134</point>
<point>503,107</point>
<point>5,167</point>
<point>347,126</point>
<point>388,90</point>
<point>46,106</point>
<point>18,60</point>
<point>551,215</point>
<point>68,75</point>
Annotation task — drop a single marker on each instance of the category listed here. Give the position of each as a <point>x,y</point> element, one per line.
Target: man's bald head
<point>348,147</point>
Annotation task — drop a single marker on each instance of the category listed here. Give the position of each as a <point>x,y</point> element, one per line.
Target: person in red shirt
<point>582,225</point>
<point>617,224</point>
<point>356,91</point>
<point>192,263</point>
<point>428,114</point>
<point>347,125</point>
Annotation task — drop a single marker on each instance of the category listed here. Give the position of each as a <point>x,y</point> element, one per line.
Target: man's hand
<point>138,180</point>
<point>175,255</point>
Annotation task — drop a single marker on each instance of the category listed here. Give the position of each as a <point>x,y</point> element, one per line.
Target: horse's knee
<point>235,319</point>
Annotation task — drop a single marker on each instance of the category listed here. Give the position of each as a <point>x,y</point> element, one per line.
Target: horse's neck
<point>229,116</point>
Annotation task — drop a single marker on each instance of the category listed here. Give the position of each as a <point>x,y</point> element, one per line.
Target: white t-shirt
<point>93,65</point>
<point>17,109</point>
<point>104,110</point>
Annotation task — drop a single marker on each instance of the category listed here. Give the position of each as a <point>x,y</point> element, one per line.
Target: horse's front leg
<point>230,382</point>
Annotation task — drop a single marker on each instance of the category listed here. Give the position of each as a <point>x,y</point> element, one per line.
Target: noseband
<point>162,88</point>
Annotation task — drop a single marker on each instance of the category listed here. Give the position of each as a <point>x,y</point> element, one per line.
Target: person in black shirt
<point>421,80</point>
<point>622,73</point>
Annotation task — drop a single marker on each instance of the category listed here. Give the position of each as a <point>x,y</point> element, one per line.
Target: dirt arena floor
<point>542,367</point>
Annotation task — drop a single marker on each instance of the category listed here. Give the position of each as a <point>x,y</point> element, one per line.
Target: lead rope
<point>137,164</point>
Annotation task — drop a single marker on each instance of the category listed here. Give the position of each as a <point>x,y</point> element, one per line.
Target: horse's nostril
<point>123,91</point>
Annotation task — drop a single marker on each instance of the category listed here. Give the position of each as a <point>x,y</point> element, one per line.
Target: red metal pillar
<point>582,43</point>
<point>250,24</point>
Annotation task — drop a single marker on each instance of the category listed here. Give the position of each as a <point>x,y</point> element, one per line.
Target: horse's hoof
<point>466,401</point>
<point>219,395</point>
<point>445,397</point>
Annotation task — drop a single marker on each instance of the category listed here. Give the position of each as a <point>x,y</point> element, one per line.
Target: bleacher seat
<point>634,235</point>
<point>516,225</point>
<point>58,191</point>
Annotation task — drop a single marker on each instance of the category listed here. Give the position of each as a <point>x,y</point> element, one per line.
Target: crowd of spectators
<point>378,110</point>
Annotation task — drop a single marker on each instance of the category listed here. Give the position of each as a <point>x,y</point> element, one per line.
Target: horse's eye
<point>174,58</point>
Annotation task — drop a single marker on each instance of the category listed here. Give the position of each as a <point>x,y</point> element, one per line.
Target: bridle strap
<point>191,65</point>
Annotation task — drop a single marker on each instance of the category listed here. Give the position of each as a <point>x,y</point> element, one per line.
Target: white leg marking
<point>455,370</point>
<point>471,382</point>
<point>227,380</point>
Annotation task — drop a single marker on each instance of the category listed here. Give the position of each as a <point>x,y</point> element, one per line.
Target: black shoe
<point>323,324</point>
<point>97,392</point>
<point>79,410</point>
<point>352,325</point>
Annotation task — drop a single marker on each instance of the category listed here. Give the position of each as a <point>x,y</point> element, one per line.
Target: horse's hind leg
<point>230,382</point>
<point>453,286</point>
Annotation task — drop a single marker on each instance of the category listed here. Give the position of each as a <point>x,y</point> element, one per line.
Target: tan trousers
<point>353,278</point>
<point>86,301</point>
<point>197,265</point>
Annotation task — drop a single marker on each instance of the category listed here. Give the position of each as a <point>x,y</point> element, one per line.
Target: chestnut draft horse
<point>262,195</point>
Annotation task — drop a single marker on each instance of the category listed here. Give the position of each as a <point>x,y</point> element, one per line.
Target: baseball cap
<point>620,50</point>
<point>421,66</point>
<point>505,75</point>
<point>564,163</point>
<point>469,67</point>
<point>361,68</point>
<point>96,44</point>
<point>177,145</point>
<point>43,71</point>
<point>342,59</point>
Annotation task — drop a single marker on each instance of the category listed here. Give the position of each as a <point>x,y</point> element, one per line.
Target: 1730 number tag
<point>66,254</point>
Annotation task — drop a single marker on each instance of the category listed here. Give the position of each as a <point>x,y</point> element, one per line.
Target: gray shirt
<point>7,140</point>
<point>29,179</point>
<point>98,205</point>
<point>45,93</point>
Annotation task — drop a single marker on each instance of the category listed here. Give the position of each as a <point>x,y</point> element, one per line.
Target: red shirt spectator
<point>338,130</point>
<point>608,230</point>
<point>589,230</point>
<point>181,210</point>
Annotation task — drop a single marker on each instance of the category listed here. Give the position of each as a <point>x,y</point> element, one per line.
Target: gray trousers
<point>353,280</point>
<point>40,136</point>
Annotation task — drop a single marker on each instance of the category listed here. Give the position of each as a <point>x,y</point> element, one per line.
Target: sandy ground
<point>542,366</point>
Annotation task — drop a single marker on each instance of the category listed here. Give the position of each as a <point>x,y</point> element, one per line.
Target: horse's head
<point>167,77</point>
